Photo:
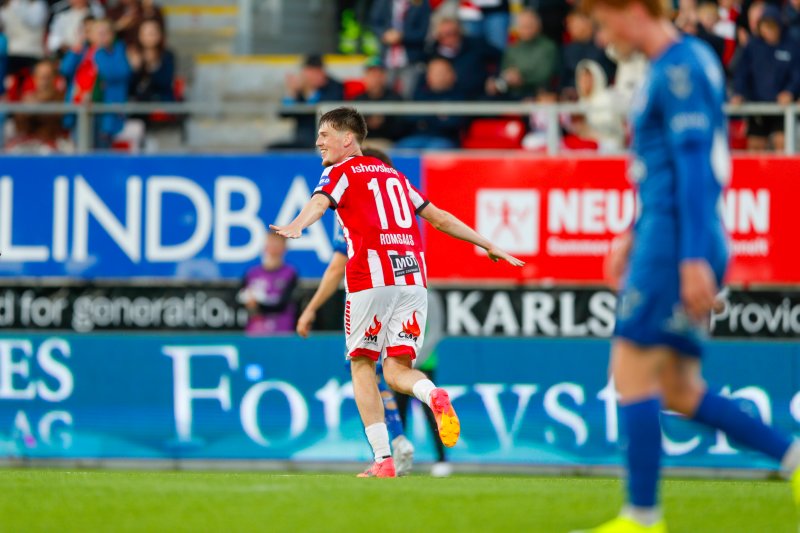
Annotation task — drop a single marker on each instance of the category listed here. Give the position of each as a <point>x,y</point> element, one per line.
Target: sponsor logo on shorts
<point>371,334</point>
<point>404,264</point>
<point>411,329</point>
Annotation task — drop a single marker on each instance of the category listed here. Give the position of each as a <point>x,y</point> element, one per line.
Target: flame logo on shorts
<point>375,329</point>
<point>412,327</point>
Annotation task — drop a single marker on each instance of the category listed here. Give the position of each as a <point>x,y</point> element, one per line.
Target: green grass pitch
<point>88,501</point>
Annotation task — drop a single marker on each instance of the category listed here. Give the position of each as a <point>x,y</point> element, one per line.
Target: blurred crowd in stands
<point>545,51</point>
<point>82,51</point>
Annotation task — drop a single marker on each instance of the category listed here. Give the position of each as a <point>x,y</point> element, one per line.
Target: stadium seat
<point>575,142</point>
<point>353,88</point>
<point>737,134</point>
<point>497,133</point>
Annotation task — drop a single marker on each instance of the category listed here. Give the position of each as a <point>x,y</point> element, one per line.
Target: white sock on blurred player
<point>422,391</point>
<point>378,437</point>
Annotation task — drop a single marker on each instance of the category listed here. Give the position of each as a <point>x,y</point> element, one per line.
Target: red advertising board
<point>561,214</point>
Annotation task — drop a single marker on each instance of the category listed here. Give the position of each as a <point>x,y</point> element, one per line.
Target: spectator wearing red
<point>152,65</point>
<point>725,27</point>
<point>768,71</point>
<point>24,23</point>
<point>40,133</point>
<point>401,26</point>
<point>99,72</point>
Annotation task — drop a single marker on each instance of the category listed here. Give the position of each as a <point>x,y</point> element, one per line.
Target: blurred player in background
<point>402,448</point>
<point>267,291</point>
<point>674,259</point>
<point>385,276</point>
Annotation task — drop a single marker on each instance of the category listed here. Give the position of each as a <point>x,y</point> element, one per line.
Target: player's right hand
<point>698,289</point>
<point>617,261</point>
<point>495,254</point>
<point>305,322</point>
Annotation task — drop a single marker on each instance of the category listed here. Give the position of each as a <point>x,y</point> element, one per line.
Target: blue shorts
<point>650,312</point>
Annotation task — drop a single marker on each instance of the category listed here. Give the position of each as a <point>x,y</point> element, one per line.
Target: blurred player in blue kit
<point>403,449</point>
<point>670,265</point>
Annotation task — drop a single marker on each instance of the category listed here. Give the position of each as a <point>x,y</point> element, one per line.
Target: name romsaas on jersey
<point>376,207</point>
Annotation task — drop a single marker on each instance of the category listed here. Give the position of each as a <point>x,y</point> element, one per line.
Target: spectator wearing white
<point>603,122</point>
<point>66,29</point>
<point>631,70</point>
<point>24,23</point>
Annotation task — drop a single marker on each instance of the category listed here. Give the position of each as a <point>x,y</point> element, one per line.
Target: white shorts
<point>386,320</point>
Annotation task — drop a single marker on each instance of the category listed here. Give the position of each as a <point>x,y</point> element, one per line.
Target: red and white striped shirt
<point>376,207</point>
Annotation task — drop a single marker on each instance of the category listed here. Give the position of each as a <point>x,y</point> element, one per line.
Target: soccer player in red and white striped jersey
<point>385,275</point>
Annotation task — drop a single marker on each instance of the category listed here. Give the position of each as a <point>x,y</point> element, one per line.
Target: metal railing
<point>83,133</point>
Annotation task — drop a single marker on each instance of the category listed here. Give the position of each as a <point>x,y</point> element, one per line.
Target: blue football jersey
<point>680,157</point>
<point>680,164</point>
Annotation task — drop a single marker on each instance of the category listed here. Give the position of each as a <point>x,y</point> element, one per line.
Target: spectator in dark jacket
<point>152,65</point>
<point>383,129</point>
<point>791,14</point>
<point>472,59</point>
<point>312,85</point>
<point>401,26</point>
<point>437,132</point>
<point>490,20</point>
<point>581,47</point>
<point>688,21</point>
<point>768,71</point>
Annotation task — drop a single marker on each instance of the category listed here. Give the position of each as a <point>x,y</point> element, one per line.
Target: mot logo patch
<point>509,218</point>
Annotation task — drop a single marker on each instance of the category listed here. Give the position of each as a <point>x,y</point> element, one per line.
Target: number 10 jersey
<point>376,207</point>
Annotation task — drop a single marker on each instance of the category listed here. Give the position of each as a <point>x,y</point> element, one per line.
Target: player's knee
<point>682,398</point>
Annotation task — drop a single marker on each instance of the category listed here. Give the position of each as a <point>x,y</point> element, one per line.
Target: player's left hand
<point>286,231</point>
<point>495,254</point>
<point>698,288</point>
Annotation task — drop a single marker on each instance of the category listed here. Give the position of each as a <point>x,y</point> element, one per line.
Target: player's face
<point>616,27</point>
<point>331,144</point>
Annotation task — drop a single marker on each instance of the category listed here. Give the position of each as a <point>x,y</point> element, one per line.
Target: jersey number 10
<point>397,197</point>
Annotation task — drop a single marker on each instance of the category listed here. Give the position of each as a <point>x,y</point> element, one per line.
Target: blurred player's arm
<point>327,287</point>
<point>449,224</point>
<point>310,213</point>
<point>691,134</point>
<point>617,260</point>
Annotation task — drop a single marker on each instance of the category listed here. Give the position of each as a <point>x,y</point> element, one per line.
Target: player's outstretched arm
<point>448,223</point>
<point>310,213</point>
<point>327,287</point>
